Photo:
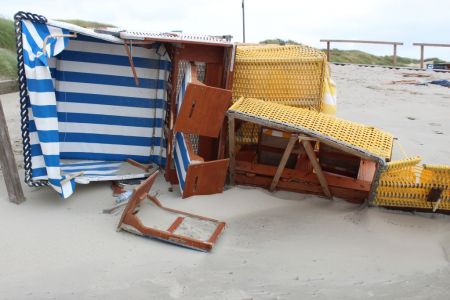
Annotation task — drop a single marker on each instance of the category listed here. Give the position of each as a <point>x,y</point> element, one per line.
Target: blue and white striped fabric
<point>43,126</point>
<point>102,114</point>
<point>85,104</point>
<point>181,153</point>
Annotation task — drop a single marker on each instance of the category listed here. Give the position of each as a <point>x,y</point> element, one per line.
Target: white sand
<point>277,246</point>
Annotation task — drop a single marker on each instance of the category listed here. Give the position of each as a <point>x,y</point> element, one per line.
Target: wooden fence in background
<point>394,44</point>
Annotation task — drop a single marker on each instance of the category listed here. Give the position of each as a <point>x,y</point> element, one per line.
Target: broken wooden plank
<point>231,147</point>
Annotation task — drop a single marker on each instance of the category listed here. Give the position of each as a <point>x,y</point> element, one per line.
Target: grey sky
<point>304,21</point>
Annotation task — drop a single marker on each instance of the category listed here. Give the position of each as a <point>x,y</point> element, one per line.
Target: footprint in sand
<point>434,124</point>
<point>438,132</point>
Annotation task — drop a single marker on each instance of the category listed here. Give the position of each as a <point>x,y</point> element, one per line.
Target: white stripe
<point>180,161</point>
<point>59,44</point>
<point>111,90</point>
<point>46,123</point>
<point>92,172</point>
<point>105,148</point>
<point>108,129</point>
<point>109,110</point>
<point>53,172</point>
<point>47,98</point>
<point>35,35</point>
<point>47,148</point>
<point>90,167</point>
<point>27,48</point>
<point>66,189</point>
<point>37,162</point>
<point>40,72</point>
<point>93,68</point>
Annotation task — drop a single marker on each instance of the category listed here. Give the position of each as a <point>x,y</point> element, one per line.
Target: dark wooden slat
<point>8,163</point>
<point>283,161</point>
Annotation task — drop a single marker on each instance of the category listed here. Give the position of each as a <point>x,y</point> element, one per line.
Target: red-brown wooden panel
<point>203,110</point>
<point>205,178</point>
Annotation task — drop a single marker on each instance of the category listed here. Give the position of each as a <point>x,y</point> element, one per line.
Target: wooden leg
<point>8,163</point>
<point>422,55</point>
<point>312,157</point>
<point>231,147</point>
<point>283,161</point>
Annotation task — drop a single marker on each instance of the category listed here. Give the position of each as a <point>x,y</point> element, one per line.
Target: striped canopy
<point>86,106</point>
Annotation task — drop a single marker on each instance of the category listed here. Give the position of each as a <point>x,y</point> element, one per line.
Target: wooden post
<point>422,50</point>
<point>8,163</point>
<point>394,57</point>
<point>284,159</point>
<point>231,147</point>
<point>312,157</point>
<point>329,51</point>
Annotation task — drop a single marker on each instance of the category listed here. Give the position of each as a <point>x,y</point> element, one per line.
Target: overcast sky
<point>307,22</point>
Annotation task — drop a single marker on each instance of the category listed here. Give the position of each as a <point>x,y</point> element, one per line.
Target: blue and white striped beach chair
<point>80,103</point>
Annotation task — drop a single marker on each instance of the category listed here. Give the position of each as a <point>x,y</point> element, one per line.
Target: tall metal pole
<point>243,22</point>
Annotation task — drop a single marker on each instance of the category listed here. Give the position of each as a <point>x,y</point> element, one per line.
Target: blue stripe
<point>32,126</point>
<point>109,120</point>
<point>55,182</point>
<point>51,160</point>
<point>183,150</point>
<point>48,136</point>
<point>108,139</point>
<point>38,172</point>
<point>29,37</point>
<point>53,72</point>
<point>36,150</point>
<point>178,169</point>
<point>42,30</point>
<point>44,111</point>
<point>110,100</point>
<point>110,59</point>
<point>109,80</point>
<point>31,63</point>
<point>40,85</point>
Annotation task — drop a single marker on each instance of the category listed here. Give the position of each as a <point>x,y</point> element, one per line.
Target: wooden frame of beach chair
<point>130,222</point>
<point>202,112</point>
<point>308,175</point>
<point>219,60</point>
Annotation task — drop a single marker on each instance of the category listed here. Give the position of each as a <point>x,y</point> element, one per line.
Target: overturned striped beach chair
<point>88,104</point>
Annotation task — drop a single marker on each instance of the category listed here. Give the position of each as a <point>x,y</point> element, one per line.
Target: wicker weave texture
<point>407,184</point>
<point>362,137</point>
<point>291,75</point>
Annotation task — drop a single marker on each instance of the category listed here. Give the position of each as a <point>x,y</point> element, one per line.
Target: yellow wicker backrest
<point>291,75</point>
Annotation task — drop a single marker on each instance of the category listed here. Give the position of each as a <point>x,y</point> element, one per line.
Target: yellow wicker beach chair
<point>293,75</point>
<point>406,184</point>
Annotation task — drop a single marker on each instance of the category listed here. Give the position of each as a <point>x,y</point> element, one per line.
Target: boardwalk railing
<point>394,44</point>
<point>422,49</point>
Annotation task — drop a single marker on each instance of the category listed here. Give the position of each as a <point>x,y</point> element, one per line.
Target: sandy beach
<point>278,245</point>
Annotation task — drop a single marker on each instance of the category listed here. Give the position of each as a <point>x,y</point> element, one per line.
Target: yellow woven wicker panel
<point>291,75</point>
<point>362,137</point>
<point>407,184</point>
